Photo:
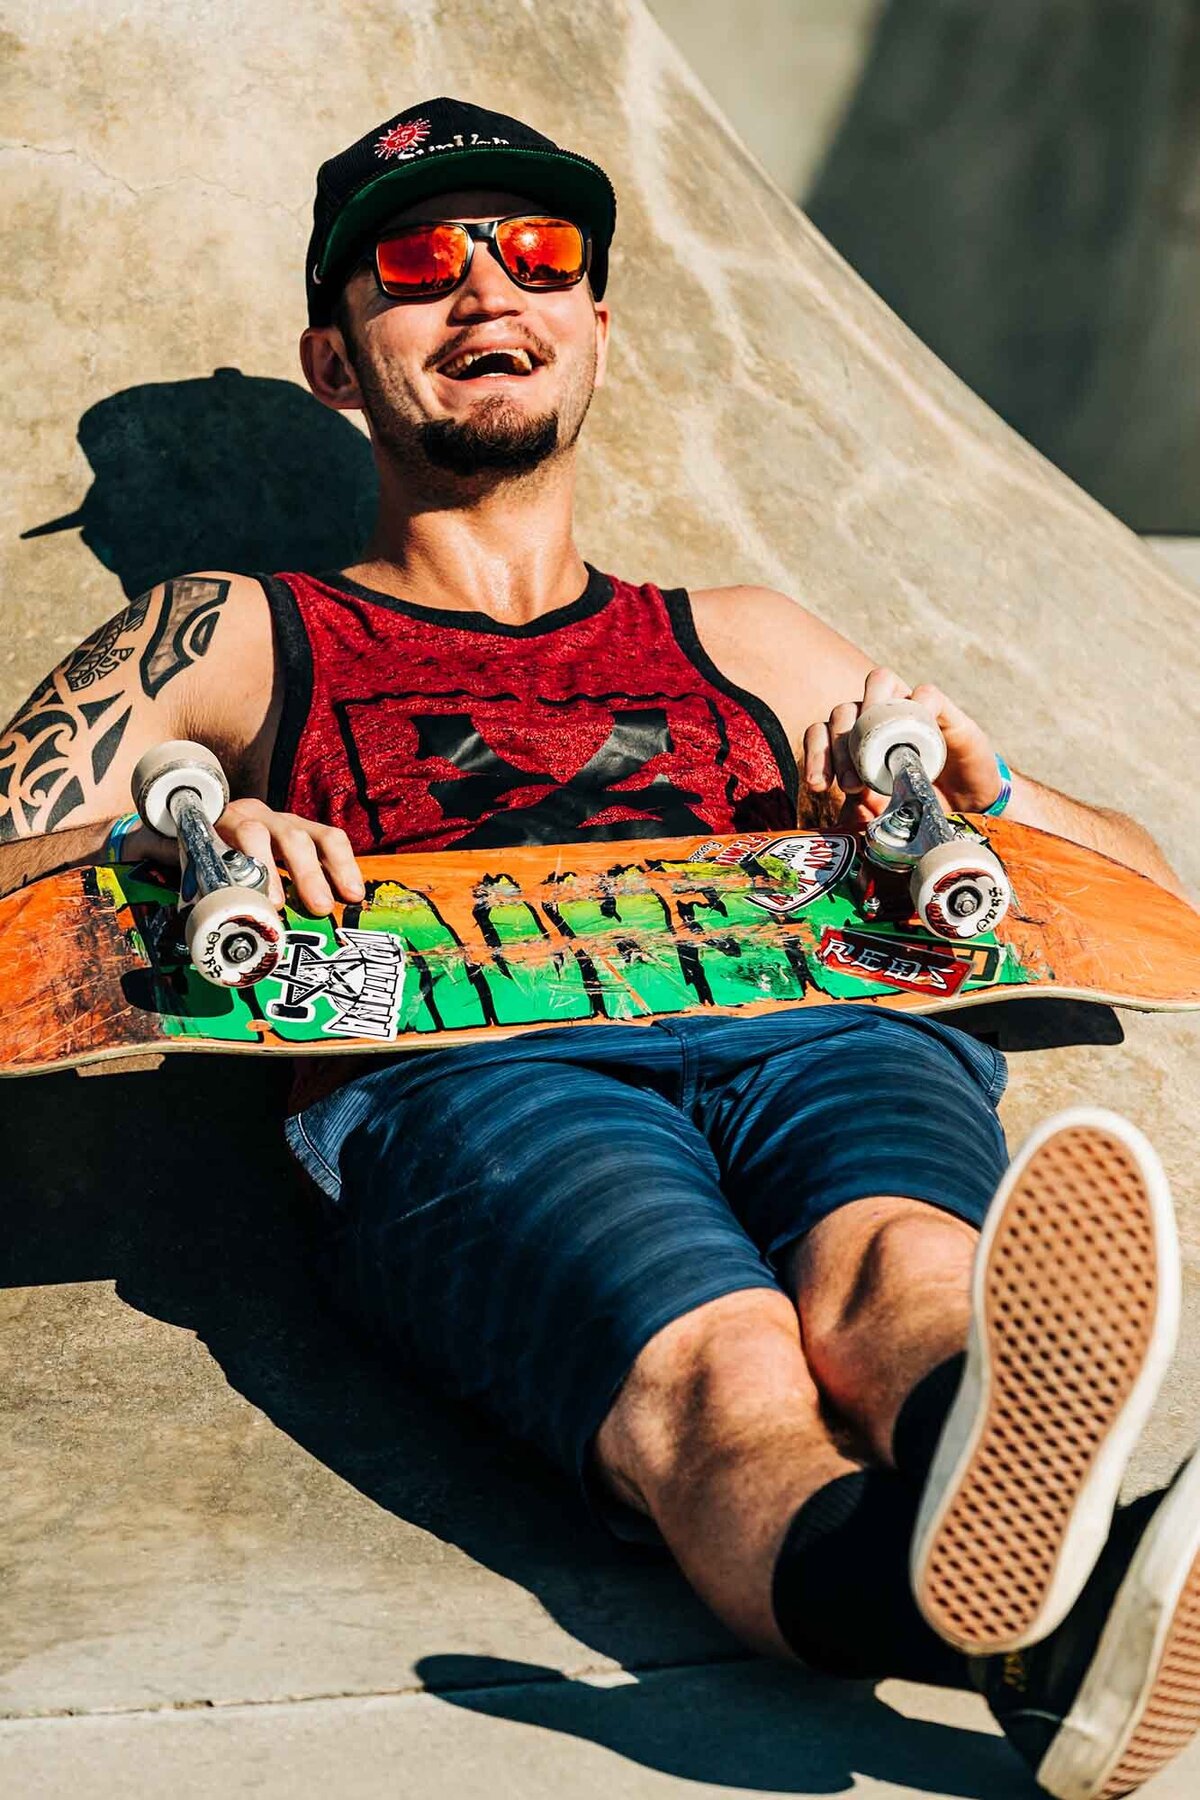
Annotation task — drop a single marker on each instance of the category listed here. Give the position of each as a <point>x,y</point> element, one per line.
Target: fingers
<point>885,684</point>
<point>340,865</point>
<point>252,837</point>
<point>826,750</point>
<point>949,716</point>
<point>298,852</point>
<point>318,858</point>
<point>841,722</point>
<point>817,758</point>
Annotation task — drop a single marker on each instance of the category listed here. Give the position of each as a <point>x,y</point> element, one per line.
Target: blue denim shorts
<point>518,1219</point>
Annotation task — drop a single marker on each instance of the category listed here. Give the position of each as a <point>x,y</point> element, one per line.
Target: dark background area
<point>1021,183</point>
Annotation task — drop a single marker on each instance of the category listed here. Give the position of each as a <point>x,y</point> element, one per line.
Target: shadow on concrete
<point>812,1738</point>
<point>230,471</point>
<point>177,1187</point>
<point>1041,1024</point>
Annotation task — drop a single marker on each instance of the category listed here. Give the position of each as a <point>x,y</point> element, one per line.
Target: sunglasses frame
<point>483,231</point>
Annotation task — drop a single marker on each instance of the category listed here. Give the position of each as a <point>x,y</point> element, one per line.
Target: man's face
<point>427,402</point>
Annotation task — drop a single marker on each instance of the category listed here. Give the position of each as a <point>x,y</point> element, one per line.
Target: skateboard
<point>925,913</point>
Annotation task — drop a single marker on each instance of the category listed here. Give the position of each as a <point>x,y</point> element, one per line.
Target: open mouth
<point>480,365</point>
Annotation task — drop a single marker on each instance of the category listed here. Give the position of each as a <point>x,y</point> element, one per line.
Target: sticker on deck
<point>362,977</point>
<point>919,968</point>
<point>805,866</point>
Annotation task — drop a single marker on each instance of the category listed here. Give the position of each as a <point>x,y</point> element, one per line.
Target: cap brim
<point>551,177</point>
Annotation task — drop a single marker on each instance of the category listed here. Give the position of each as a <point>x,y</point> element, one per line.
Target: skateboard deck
<point>461,945</point>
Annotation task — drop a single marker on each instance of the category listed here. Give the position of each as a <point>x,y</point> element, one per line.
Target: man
<point>728,1273</point>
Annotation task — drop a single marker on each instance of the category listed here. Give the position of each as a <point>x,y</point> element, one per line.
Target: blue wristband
<point>1005,795</point>
<point>117,833</point>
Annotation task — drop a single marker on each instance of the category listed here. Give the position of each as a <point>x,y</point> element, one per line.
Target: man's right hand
<point>317,857</point>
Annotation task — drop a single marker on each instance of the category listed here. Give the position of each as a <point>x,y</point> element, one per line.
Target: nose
<point>487,291</point>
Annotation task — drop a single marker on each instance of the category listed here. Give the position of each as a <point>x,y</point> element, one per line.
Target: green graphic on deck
<point>640,941</point>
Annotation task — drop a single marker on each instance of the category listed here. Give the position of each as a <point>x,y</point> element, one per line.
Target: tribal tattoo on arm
<point>61,744</point>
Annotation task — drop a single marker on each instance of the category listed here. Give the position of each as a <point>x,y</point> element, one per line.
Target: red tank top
<point>417,729</point>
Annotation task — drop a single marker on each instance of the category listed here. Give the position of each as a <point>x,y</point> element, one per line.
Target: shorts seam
<point>297,1123</point>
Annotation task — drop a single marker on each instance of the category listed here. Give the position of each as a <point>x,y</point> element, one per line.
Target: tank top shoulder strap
<point>295,675</point>
<point>677,603</point>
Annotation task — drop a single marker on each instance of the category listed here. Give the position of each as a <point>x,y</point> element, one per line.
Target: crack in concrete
<point>297,214</point>
<point>409,1691</point>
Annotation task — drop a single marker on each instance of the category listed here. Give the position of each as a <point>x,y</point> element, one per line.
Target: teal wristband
<point>117,833</point>
<point>1005,795</point>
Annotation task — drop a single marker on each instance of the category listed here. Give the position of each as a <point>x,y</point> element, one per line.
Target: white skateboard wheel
<point>234,936</point>
<point>168,767</point>
<point>881,727</point>
<point>960,890</point>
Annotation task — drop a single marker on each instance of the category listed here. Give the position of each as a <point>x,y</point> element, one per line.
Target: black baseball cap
<point>432,149</point>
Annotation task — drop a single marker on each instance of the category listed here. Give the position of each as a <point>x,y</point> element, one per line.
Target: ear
<point>603,318</point>
<point>328,369</point>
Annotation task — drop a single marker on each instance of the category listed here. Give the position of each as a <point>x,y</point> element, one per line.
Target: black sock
<point>841,1593</point>
<point>920,1420</point>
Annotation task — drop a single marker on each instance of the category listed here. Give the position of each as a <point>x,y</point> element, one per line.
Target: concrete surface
<point>1181,553</point>
<point>241,1554</point>
<point>782,71</point>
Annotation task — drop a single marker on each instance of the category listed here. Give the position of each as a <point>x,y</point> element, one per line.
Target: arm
<point>803,669</point>
<point>1098,827</point>
<point>192,658</point>
<point>970,781</point>
<point>68,755</point>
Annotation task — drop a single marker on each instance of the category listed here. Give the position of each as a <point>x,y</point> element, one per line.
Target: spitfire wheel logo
<point>362,977</point>
<point>402,138</point>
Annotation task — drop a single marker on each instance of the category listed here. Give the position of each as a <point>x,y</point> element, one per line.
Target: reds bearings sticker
<point>917,967</point>
<point>806,865</point>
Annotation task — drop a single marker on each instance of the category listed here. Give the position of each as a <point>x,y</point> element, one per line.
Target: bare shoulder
<point>214,640</point>
<point>191,657</point>
<point>772,645</point>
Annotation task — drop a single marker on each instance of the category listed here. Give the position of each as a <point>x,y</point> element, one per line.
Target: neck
<point>507,550</point>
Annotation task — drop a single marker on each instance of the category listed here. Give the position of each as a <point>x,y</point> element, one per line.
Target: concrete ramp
<point>242,1554</point>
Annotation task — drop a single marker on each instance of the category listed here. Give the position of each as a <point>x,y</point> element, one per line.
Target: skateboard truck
<point>234,935</point>
<point>913,856</point>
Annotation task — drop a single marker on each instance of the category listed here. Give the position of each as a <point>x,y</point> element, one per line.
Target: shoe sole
<point>1139,1703</point>
<point>1075,1309</point>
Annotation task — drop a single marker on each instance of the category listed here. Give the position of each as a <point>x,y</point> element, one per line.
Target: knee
<point>702,1389</point>
<point>898,1258</point>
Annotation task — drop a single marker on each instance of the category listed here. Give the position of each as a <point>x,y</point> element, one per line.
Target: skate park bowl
<point>244,1552</point>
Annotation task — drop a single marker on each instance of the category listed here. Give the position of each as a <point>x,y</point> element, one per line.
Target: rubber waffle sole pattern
<point>1068,1310</point>
<point>1170,1714</point>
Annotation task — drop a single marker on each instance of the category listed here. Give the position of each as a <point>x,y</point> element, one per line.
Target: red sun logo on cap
<point>402,137</point>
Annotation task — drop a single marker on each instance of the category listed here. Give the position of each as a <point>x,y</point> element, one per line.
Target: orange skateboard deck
<point>462,945</point>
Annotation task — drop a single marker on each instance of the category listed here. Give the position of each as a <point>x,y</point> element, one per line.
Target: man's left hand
<point>969,782</point>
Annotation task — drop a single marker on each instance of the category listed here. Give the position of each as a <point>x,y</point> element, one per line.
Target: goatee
<point>493,440</point>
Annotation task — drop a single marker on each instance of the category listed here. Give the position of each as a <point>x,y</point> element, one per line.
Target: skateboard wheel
<point>168,767</point>
<point>960,890</point>
<point>881,727</point>
<point>234,937</point>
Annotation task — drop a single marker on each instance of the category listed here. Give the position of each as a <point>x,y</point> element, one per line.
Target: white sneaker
<point>1075,1310</point>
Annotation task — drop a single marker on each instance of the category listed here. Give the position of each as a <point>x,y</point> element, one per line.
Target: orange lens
<point>426,259</point>
<point>542,252</point>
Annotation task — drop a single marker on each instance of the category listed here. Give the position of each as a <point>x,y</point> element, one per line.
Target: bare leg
<point>718,1435</point>
<point>882,1290</point>
<point>719,1432</point>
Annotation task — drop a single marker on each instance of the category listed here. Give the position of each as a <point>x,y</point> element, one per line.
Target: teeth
<point>520,359</point>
